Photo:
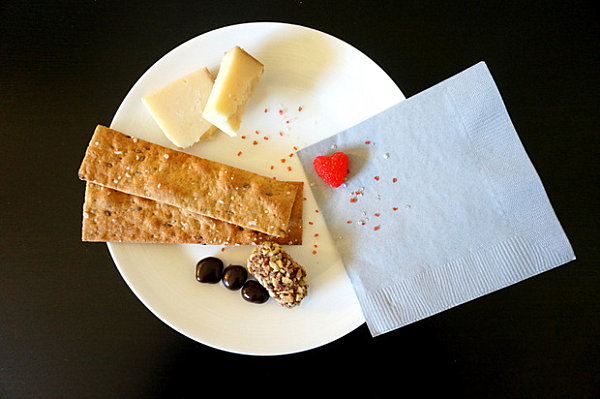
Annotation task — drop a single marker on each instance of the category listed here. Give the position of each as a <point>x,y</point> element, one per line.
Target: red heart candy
<point>332,169</point>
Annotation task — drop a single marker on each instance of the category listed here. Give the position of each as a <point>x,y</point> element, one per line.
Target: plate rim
<point>352,325</point>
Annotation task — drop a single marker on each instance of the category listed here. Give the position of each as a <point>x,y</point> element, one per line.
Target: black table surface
<point>71,328</point>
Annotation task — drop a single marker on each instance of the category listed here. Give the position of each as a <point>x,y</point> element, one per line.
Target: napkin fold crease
<point>442,204</point>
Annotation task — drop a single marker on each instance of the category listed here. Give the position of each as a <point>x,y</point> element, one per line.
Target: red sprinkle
<point>311,223</point>
<point>304,198</point>
<point>266,137</point>
<point>280,112</point>
<point>394,180</point>
<point>378,214</point>
<point>353,199</point>
<point>316,210</point>
<point>367,142</point>
<point>291,155</point>
<point>289,168</point>
<point>272,167</point>
<point>266,110</point>
<point>316,246</point>
<point>300,109</point>
<point>255,142</point>
<point>376,228</point>
<point>222,249</point>
<point>239,153</point>
<point>282,160</point>
<point>349,221</point>
<point>314,252</point>
<point>316,234</point>
<point>376,178</point>
<point>287,121</point>
<point>395,208</point>
<point>257,132</point>
<point>295,148</point>
<point>244,137</point>
<point>281,133</point>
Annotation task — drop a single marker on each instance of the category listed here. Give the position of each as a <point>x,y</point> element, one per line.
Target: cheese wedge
<point>177,108</point>
<point>238,75</point>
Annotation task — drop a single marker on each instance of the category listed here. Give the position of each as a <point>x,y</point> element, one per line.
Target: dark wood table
<point>71,328</point>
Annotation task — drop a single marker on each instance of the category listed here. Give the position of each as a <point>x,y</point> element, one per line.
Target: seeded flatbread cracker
<point>113,216</point>
<point>195,184</point>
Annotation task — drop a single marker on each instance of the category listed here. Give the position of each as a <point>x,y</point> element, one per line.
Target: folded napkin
<point>442,204</point>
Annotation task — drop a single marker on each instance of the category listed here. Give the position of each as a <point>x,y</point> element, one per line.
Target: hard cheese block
<point>195,184</point>
<point>238,75</point>
<point>178,106</point>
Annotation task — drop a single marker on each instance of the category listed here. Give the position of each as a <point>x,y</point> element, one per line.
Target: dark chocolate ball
<point>253,292</point>
<point>209,270</point>
<point>234,277</point>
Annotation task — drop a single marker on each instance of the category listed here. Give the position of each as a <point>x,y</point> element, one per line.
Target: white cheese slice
<point>177,108</point>
<point>238,75</point>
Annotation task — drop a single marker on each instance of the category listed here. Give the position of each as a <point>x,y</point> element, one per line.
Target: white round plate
<point>313,86</point>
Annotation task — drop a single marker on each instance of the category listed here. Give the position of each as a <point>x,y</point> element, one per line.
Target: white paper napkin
<point>442,204</point>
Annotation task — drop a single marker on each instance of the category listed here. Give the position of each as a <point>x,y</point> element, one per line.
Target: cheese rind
<point>177,108</point>
<point>238,75</point>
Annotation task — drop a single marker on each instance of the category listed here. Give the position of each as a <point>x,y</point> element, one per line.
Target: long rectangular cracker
<point>113,216</point>
<point>134,166</point>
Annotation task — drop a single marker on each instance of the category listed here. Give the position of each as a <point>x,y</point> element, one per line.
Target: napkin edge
<point>459,281</point>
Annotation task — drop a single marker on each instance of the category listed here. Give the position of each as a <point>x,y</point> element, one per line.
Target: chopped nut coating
<point>274,269</point>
